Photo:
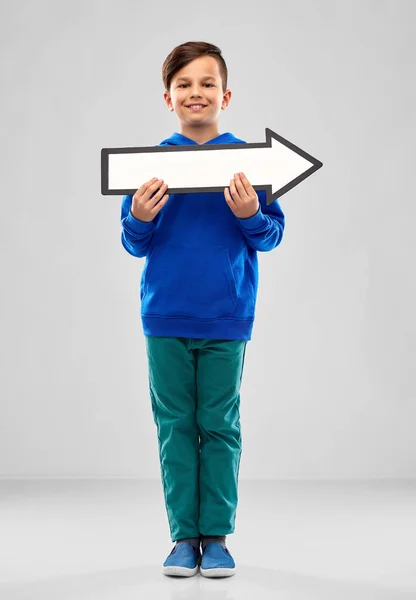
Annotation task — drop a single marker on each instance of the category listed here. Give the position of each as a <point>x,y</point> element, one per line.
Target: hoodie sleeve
<point>136,235</point>
<point>264,230</point>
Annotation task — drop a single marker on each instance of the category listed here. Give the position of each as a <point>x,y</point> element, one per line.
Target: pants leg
<point>172,388</point>
<point>195,393</point>
<point>220,366</point>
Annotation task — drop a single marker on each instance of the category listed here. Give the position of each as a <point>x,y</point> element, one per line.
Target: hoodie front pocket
<point>189,281</point>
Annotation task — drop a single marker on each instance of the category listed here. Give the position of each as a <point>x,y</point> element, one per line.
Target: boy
<point>198,295</point>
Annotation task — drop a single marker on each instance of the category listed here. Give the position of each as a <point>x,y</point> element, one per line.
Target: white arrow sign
<point>276,166</point>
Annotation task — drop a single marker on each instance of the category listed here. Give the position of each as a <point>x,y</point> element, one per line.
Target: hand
<point>243,200</point>
<point>148,201</point>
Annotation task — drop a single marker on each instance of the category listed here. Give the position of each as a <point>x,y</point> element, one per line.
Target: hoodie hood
<point>177,139</point>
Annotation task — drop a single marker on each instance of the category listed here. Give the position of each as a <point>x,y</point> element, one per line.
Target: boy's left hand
<point>243,200</point>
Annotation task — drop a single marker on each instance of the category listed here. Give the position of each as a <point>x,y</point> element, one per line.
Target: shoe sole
<point>219,572</point>
<point>179,571</point>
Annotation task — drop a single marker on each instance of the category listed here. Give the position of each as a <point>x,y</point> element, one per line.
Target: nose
<point>195,92</point>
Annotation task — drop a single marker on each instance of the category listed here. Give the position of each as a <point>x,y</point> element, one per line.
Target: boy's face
<point>198,82</point>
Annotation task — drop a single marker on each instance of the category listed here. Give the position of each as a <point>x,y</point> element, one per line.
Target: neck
<point>200,135</point>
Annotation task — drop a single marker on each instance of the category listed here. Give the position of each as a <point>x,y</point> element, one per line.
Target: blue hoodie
<point>200,278</point>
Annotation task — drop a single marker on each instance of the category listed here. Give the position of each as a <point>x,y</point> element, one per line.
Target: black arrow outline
<point>316,164</point>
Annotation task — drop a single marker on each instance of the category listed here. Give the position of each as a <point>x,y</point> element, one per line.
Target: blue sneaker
<point>183,561</point>
<point>217,561</point>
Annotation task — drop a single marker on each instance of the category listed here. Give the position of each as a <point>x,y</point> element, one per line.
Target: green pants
<point>195,393</point>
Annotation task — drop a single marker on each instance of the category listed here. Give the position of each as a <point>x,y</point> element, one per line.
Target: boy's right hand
<point>143,206</point>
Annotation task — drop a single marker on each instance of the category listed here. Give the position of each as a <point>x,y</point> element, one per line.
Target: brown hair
<point>185,53</point>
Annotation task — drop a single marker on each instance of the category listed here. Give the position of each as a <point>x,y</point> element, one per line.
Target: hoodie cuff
<point>136,225</point>
<point>252,222</point>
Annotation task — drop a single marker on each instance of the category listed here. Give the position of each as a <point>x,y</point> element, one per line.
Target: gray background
<point>329,383</point>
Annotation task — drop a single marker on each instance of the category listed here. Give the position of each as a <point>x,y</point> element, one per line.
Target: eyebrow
<point>187,78</point>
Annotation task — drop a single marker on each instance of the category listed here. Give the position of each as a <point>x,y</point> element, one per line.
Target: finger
<point>155,190</point>
<point>143,188</point>
<point>161,191</point>
<point>147,186</point>
<point>154,186</point>
<point>162,187</point>
<point>157,184</point>
<point>240,184</point>
<point>233,190</point>
<point>227,196</point>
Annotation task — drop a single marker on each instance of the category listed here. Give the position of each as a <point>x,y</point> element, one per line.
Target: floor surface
<point>297,540</point>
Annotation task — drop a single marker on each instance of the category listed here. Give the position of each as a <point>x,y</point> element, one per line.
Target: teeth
<point>196,106</point>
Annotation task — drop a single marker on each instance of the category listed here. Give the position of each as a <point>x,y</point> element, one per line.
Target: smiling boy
<point>198,297</point>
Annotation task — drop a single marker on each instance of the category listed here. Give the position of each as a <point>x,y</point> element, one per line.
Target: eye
<point>188,84</point>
